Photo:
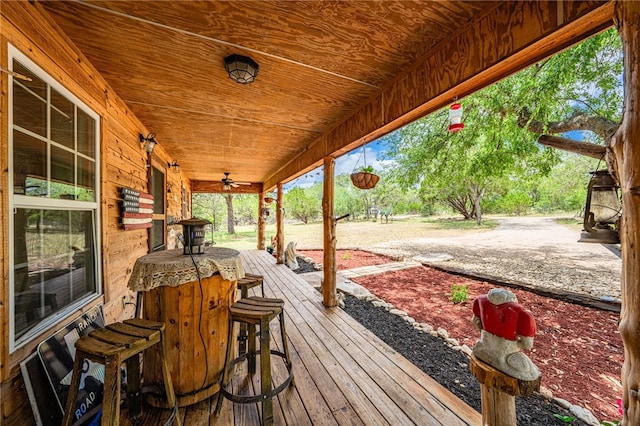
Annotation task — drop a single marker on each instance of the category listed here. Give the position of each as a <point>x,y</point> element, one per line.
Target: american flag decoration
<point>137,209</point>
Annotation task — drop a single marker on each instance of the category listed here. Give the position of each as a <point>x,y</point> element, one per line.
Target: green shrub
<point>459,293</point>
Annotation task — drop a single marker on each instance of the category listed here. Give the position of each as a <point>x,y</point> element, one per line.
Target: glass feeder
<point>602,211</point>
<point>455,117</point>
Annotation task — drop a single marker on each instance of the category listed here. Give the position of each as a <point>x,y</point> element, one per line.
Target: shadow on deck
<point>343,373</point>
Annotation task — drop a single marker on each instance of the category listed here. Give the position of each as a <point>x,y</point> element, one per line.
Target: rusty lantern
<point>602,210</point>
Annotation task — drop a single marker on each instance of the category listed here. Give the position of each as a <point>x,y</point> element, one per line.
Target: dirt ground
<point>578,350</point>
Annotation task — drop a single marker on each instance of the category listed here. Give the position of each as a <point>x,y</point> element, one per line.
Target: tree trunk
<point>261,221</point>
<point>626,163</point>
<point>477,194</point>
<point>329,293</point>
<point>280,225</point>
<point>230,219</point>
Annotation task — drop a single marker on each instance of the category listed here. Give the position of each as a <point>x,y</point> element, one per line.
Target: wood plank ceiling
<point>319,61</point>
<point>333,74</point>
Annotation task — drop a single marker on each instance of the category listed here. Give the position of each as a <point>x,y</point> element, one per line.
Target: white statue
<point>290,257</point>
<point>506,327</point>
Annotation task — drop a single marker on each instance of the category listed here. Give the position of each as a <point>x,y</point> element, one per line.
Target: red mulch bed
<point>348,259</point>
<point>578,350</point>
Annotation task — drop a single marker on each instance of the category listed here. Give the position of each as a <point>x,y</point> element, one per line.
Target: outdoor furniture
<point>244,284</point>
<point>192,299</point>
<point>257,311</point>
<point>111,346</point>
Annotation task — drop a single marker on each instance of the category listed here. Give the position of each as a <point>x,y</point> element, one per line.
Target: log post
<point>280,226</point>
<point>625,149</point>
<point>498,393</point>
<point>329,296</point>
<point>261,221</point>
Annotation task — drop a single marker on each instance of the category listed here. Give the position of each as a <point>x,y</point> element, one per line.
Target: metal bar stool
<point>244,284</point>
<point>257,311</point>
<point>111,346</point>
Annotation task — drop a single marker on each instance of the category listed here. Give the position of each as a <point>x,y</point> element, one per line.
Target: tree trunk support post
<point>498,393</point>
<point>623,152</point>
<point>261,221</point>
<point>280,226</point>
<point>329,295</point>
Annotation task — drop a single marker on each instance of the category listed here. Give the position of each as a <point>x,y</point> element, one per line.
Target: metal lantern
<point>602,211</point>
<point>194,235</point>
<point>455,117</point>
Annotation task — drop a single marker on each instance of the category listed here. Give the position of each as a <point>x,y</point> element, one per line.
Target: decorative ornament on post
<point>148,142</point>
<point>455,117</point>
<point>241,69</point>
<point>602,210</point>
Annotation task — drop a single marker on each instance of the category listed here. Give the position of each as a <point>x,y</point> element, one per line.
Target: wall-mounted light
<point>175,166</point>
<point>602,210</point>
<point>149,142</point>
<point>241,69</point>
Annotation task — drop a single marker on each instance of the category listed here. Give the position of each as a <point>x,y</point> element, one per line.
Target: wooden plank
<point>215,187</point>
<point>382,354</point>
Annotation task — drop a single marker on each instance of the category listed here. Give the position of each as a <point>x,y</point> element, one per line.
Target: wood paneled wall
<point>123,163</point>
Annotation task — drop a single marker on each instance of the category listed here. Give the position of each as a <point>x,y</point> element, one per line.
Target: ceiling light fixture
<point>241,69</point>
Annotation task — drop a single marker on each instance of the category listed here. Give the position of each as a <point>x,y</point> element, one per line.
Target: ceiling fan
<point>228,183</point>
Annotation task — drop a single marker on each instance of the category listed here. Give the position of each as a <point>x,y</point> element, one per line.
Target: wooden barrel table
<point>196,315</point>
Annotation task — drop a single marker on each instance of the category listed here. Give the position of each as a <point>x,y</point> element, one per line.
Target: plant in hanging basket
<point>365,178</point>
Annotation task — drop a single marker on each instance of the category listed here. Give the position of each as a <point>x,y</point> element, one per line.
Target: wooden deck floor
<point>343,374</point>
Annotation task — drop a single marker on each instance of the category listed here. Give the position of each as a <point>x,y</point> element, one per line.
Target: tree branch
<point>579,120</point>
<point>583,148</point>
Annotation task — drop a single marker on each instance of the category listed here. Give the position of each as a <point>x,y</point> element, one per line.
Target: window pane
<point>29,111</point>
<point>29,161</point>
<point>62,176</point>
<point>157,235</point>
<point>86,134</point>
<point>157,190</point>
<point>62,120</point>
<point>36,85</point>
<point>53,263</point>
<point>86,179</point>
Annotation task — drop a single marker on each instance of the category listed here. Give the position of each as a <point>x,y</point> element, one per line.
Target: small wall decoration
<point>136,208</point>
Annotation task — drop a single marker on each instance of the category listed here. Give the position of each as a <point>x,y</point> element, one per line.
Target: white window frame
<point>22,201</point>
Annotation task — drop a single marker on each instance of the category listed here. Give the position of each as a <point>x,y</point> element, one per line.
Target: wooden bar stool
<point>257,311</point>
<point>244,284</point>
<point>250,281</point>
<point>111,346</point>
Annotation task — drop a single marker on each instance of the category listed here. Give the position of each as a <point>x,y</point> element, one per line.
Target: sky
<point>345,164</point>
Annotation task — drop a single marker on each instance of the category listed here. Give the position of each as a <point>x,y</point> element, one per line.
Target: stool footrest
<point>244,399</point>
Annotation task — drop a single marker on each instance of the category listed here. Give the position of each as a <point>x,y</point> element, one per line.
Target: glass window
<point>55,260</point>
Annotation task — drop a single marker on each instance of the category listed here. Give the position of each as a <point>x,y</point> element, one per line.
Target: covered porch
<point>343,373</point>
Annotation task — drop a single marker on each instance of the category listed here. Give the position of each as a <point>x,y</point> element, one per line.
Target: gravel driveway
<point>532,250</point>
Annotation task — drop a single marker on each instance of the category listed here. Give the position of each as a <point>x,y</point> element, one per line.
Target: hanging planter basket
<point>364,180</point>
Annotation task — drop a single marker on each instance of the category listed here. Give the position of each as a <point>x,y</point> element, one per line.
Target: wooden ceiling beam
<point>214,187</point>
<point>513,36</point>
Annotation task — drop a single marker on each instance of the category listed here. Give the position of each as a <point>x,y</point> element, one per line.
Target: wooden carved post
<point>625,147</point>
<point>261,221</point>
<point>503,371</point>
<point>498,393</point>
<point>329,296</point>
<point>280,225</point>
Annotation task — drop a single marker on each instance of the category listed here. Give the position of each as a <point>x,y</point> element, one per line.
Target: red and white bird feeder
<point>455,117</point>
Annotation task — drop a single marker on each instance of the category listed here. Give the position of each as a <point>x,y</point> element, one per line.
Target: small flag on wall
<point>137,209</point>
